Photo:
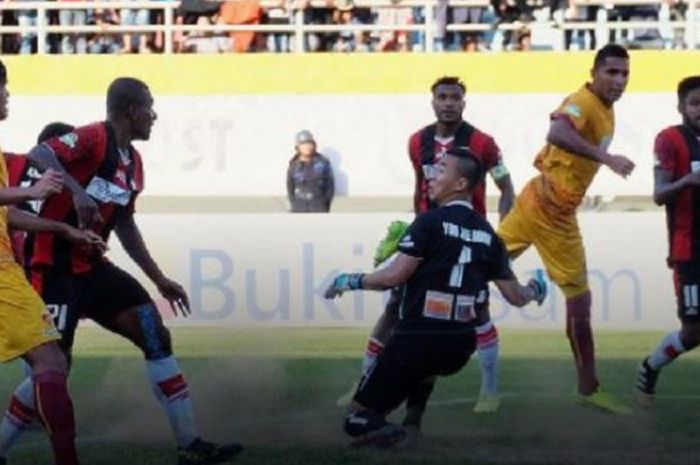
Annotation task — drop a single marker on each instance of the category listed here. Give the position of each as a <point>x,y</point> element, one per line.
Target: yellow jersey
<point>6,254</point>
<point>566,176</point>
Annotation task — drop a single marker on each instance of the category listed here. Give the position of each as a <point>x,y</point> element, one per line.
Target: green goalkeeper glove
<point>390,244</point>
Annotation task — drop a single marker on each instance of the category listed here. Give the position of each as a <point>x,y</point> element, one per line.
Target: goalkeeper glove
<point>344,282</point>
<point>390,244</point>
<point>538,286</point>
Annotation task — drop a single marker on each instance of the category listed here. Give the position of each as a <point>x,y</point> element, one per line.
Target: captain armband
<point>499,172</point>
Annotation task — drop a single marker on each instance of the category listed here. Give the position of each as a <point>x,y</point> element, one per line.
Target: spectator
<point>27,18</point>
<point>194,12</point>
<point>677,11</point>
<point>278,14</point>
<point>310,185</point>
<point>9,43</point>
<point>73,43</point>
<point>137,42</point>
<point>441,10</point>
<point>157,40</point>
<point>241,12</point>
<point>345,13</point>
<point>317,15</point>
<point>619,13</point>
<point>393,15</point>
<point>577,12</point>
<point>105,43</point>
<point>516,13</point>
<point>470,41</point>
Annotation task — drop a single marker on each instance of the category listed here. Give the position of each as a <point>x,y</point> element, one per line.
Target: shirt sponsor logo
<point>107,192</point>
<point>438,305</point>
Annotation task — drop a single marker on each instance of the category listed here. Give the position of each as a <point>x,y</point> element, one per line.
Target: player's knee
<point>574,290</point>
<point>155,342</point>
<point>690,335</point>
<point>47,358</point>
<point>362,422</point>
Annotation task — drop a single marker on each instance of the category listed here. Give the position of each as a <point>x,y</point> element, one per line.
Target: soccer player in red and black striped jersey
<point>103,175</point>
<point>426,148</point>
<point>22,174</point>
<point>677,186</point>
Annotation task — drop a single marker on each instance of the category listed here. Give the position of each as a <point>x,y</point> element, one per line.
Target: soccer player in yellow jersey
<point>26,328</point>
<point>544,215</point>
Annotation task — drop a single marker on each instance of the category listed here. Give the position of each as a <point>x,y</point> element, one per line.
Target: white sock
<point>487,348</point>
<point>374,348</point>
<point>667,351</point>
<point>18,417</point>
<point>171,390</point>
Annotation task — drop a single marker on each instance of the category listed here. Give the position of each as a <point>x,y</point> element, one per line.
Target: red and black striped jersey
<point>113,179</point>
<point>21,174</point>
<point>677,150</point>
<point>426,148</point>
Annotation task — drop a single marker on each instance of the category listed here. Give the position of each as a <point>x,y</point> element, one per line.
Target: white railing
<point>298,29</point>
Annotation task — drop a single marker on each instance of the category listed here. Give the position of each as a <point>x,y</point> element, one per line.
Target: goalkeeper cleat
<point>646,384</point>
<point>601,400</point>
<point>487,403</point>
<point>346,398</point>
<point>383,438</point>
<point>207,453</point>
<point>390,244</point>
<point>413,436</point>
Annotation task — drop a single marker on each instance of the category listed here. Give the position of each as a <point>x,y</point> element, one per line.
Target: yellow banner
<point>265,74</point>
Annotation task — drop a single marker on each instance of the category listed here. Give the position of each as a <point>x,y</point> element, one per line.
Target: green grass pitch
<point>274,391</point>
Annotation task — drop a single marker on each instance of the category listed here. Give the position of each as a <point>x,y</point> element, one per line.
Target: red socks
<point>578,330</point>
<point>55,410</point>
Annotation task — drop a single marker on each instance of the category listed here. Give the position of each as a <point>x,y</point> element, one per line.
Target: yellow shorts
<point>555,236</point>
<point>25,323</point>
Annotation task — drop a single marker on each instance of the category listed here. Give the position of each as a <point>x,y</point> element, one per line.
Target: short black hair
<point>469,165</point>
<point>52,130</point>
<point>123,93</point>
<point>449,81</point>
<point>3,73</point>
<point>609,51</point>
<point>686,86</point>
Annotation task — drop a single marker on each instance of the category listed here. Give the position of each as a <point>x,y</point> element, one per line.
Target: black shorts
<point>686,277</point>
<point>408,359</point>
<point>102,292</point>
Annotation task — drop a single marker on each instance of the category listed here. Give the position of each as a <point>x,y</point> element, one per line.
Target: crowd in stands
<point>519,17</point>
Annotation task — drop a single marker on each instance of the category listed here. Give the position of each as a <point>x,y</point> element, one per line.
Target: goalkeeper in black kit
<point>446,259</point>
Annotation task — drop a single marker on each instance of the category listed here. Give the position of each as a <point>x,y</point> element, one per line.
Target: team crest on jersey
<point>573,110</point>
<point>69,139</point>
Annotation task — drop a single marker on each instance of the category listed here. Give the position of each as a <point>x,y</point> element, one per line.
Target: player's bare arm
<point>564,135</point>
<point>50,183</point>
<point>18,219</point>
<point>44,158</point>
<point>395,274</point>
<point>666,189</point>
<point>505,185</point>
<point>516,294</point>
<point>131,239</point>
<point>417,191</point>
